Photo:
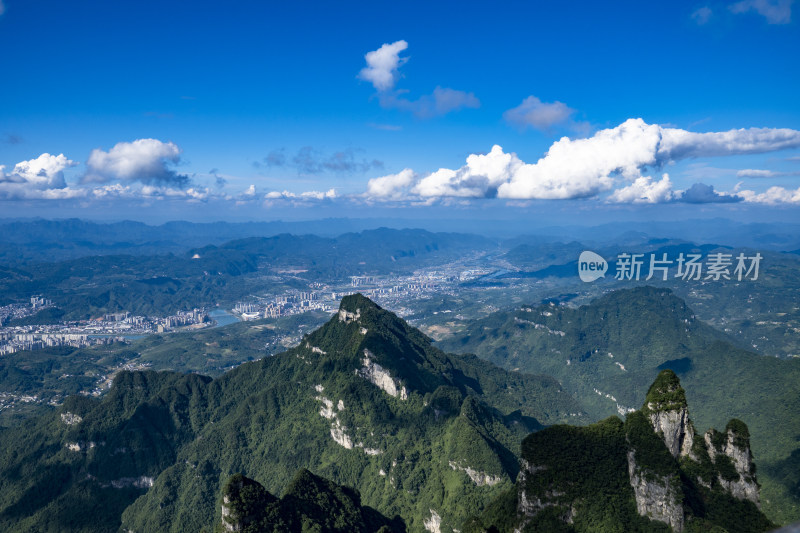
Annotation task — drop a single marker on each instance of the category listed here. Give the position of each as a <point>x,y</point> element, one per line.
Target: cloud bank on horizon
<point>611,166</point>
<point>612,161</point>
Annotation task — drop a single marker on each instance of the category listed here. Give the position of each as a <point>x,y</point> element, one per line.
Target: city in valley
<point>122,326</point>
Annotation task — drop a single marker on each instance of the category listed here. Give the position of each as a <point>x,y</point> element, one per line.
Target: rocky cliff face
<point>377,375</point>
<point>656,496</point>
<point>478,477</point>
<point>746,487</point>
<point>668,412</point>
<point>229,522</point>
<point>733,448</point>
<point>675,428</point>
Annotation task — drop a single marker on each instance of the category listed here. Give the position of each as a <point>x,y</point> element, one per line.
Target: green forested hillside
<point>310,503</point>
<point>621,476</point>
<point>54,373</point>
<point>145,285</point>
<point>364,401</point>
<point>608,352</point>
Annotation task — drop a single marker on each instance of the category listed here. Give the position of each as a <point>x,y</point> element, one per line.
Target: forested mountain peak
<point>666,393</point>
<point>365,401</point>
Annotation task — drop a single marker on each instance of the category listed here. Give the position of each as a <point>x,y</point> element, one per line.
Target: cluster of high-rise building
<point>324,297</point>
<point>111,327</point>
<point>20,310</point>
<point>39,302</point>
<point>283,305</point>
<point>185,318</point>
<point>390,290</point>
<point>359,281</point>
<point>12,343</point>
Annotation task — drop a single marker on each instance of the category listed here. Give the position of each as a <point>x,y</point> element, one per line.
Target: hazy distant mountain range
<point>207,275</point>
<point>37,240</point>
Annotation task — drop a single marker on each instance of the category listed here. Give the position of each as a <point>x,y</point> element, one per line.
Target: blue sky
<point>255,110</point>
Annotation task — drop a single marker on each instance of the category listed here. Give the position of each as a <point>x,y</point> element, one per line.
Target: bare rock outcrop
<point>657,497</point>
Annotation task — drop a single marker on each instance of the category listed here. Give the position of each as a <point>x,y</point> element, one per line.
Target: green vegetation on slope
<point>578,479</point>
<point>311,407</point>
<point>310,503</point>
<point>608,352</point>
<point>54,373</point>
<point>665,394</point>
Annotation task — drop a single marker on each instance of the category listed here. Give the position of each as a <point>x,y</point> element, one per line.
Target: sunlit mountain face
<point>422,268</point>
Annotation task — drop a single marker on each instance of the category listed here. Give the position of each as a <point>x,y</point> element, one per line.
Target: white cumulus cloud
<point>319,195</point>
<point>40,178</point>
<point>391,187</point>
<point>44,172</point>
<point>585,167</point>
<point>114,190</point>
<point>145,160</point>
<point>773,195</point>
<point>681,144</point>
<point>383,64</point>
<point>308,195</point>
<point>644,190</point>
<point>480,177</point>
<point>147,192</point>
<point>16,191</point>
<point>611,159</point>
<point>700,193</point>
<point>382,71</point>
